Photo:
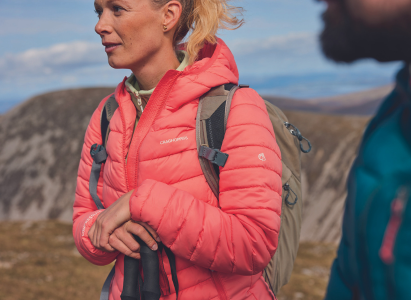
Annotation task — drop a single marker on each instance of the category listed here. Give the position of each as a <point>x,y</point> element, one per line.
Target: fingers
<point>151,231</point>
<point>126,238</point>
<point>143,234</point>
<point>109,220</point>
<point>93,234</point>
<point>116,243</point>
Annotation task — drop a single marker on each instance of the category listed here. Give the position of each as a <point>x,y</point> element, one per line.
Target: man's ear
<point>172,12</point>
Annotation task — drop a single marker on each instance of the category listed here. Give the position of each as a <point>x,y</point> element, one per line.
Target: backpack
<point>212,114</point>
<point>211,121</point>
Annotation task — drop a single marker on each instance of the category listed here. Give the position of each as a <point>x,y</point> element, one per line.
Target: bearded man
<point>374,255</point>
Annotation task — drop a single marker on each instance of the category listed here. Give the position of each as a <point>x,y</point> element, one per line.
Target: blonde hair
<point>203,18</point>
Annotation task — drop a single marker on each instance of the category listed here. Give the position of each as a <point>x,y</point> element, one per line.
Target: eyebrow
<point>109,1</point>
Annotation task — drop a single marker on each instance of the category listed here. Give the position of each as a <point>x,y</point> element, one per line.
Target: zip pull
<point>295,132</point>
<point>287,188</point>
<point>397,210</point>
<point>139,103</point>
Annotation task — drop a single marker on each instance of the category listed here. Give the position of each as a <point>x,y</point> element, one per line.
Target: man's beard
<point>348,40</point>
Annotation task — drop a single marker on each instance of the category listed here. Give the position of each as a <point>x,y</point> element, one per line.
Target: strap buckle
<point>213,155</point>
<point>98,153</point>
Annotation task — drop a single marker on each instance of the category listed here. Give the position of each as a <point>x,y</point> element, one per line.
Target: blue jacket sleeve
<point>337,288</point>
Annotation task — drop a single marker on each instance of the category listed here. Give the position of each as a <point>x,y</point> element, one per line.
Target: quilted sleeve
<point>241,235</point>
<point>84,210</point>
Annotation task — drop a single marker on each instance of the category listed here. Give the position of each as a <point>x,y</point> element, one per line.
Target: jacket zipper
<point>388,243</point>
<point>139,103</point>
<point>386,253</point>
<point>159,97</point>
<point>218,285</point>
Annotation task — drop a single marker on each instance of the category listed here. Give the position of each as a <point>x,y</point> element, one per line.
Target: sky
<point>49,45</point>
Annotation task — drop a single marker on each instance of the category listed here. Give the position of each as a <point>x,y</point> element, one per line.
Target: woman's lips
<point>111,47</point>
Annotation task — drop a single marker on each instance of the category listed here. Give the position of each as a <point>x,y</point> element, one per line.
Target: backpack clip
<point>98,153</point>
<point>295,132</point>
<point>287,188</point>
<point>213,155</point>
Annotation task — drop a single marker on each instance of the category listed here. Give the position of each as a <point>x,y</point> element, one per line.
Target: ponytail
<point>204,18</point>
<point>207,17</point>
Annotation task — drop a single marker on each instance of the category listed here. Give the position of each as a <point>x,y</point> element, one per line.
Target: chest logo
<point>262,157</point>
<point>174,140</point>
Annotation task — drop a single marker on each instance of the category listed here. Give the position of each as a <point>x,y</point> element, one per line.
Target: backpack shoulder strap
<point>107,113</point>
<point>98,152</point>
<point>211,122</point>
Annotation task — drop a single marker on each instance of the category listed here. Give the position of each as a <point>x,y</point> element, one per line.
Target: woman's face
<point>131,31</point>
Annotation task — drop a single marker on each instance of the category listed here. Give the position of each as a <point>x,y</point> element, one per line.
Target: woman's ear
<point>172,12</point>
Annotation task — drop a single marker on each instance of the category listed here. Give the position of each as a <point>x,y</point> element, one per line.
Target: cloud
<point>61,66</point>
<point>290,44</point>
<point>57,59</point>
<point>24,26</point>
<point>280,54</point>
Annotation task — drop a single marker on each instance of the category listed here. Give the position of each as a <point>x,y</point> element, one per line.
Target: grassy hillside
<point>39,261</point>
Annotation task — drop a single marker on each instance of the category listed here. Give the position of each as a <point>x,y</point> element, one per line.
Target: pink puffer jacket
<point>221,247</point>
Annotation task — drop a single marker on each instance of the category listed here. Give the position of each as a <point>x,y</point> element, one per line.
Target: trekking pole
<point>133,285</point>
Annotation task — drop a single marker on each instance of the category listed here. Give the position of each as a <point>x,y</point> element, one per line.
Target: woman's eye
<point>117,9</point>
<point>98,13</point>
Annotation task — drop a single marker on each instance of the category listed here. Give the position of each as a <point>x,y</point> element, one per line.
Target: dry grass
<point>39,261</point>
<point>311,271</point>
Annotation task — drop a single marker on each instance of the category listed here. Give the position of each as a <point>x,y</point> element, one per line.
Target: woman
<point>221,246</point>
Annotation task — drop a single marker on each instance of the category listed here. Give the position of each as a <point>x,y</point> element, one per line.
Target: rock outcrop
<point>41,142</point>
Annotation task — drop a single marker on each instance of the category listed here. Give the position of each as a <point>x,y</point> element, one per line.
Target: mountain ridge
<point>364,103</point>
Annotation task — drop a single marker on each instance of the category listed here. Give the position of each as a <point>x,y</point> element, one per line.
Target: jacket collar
<point>215,66</point>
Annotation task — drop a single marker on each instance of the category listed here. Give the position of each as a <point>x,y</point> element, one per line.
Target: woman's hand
<point>115,219</point>
<point>109,220</point>
<point>122,238</point>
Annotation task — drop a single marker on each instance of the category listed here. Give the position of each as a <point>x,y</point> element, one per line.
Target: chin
<point>116,64</point>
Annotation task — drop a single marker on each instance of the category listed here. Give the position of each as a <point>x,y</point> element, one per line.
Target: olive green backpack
<point>211,121</point>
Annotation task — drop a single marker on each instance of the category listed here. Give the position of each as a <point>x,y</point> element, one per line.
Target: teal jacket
<point>374,255</point>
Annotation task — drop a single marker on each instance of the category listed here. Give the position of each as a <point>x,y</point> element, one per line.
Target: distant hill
<point>362,103</point>
<point>41,142</point>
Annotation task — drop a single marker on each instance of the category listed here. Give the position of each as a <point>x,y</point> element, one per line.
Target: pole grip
<point>149,259</point>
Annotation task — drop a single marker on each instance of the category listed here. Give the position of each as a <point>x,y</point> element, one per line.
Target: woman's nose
<point>103,27</point>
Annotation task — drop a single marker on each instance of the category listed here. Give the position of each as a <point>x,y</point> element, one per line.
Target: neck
<point>149,73</point>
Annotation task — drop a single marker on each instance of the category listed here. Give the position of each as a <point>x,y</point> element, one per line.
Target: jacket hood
<point>214,66</point>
